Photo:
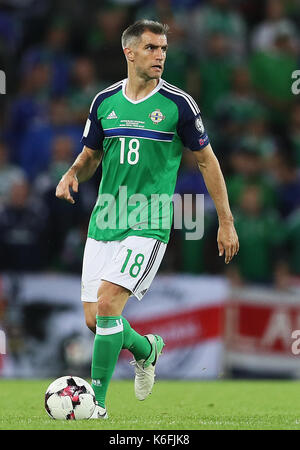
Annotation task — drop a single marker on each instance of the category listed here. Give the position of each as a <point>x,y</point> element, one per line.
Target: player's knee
<point>110,298</point>
<point>107,305</point>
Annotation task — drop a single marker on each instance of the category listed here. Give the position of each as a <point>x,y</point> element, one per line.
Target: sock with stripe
<point>137,344</point>
<point>107,346</point>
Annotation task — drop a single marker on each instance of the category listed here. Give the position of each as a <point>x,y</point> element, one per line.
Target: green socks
<point>112,334</point>
<point>137,344</point>
<point>107,346</point>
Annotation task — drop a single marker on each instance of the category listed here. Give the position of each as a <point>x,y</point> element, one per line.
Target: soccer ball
<point>70,398</point>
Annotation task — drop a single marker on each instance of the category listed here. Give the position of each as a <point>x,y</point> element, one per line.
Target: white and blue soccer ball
<point>70,398</point>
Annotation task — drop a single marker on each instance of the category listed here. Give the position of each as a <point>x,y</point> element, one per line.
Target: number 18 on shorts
<point>131,263</point>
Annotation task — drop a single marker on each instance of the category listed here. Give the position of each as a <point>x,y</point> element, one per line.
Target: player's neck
<point>137,88</point>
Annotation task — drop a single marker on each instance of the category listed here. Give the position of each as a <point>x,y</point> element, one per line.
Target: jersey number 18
<point>133,153</point>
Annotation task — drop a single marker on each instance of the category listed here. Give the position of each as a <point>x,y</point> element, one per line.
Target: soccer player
<point>137,128</point>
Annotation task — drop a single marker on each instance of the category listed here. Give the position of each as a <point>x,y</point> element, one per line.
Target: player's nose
<point>159,54</point>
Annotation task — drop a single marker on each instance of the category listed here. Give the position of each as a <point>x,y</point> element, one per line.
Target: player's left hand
<point>228,241</point>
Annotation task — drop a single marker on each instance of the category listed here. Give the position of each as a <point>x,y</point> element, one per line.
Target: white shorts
<point>131,263</point>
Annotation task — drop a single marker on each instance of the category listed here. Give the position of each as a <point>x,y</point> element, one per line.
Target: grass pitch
<point>174,405</point>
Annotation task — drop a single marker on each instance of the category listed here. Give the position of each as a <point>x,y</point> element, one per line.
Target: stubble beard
<point>141,73</point>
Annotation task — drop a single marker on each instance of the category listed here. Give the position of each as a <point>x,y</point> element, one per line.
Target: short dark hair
<point>135,30</point>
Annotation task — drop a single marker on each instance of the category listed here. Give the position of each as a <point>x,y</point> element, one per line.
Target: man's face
<point>149,55</point>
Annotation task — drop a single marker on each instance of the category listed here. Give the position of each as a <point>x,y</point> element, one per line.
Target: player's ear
<point>129,53</point>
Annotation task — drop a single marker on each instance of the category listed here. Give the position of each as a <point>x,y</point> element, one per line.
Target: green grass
<point>174,405</point>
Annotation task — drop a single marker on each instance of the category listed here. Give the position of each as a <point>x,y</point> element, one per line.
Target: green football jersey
<point>142,145</point>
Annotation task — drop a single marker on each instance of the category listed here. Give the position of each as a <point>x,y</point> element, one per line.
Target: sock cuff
<point>109,325</point>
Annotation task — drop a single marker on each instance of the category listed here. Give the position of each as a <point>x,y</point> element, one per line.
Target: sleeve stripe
<point>176,89</point>
<point>172,89</point>
<point>110,88</point>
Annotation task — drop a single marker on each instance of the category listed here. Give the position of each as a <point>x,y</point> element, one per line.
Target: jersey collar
<point>156,89</point>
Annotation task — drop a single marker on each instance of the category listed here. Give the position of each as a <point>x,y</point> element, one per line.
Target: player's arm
<point>210,168</point>
<point>81,170</point>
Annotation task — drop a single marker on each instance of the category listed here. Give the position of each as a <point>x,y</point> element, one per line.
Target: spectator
<point>62,216</point>
<point>62,152</point>
<point>54,52</point>
<point>217,17</point>
<point>9,174</point>
<point>293,242</point>
<point>35,151</point>
<point>29,106</point>
<point>103,43</point>
<point>275,23</point>
<point>240,114</point>
<point>248,170</point>
<point>293,133</point>
<point>287,181</point>
<point>239,104</point>
<point>261,236</point>
<point>196,254</point>
<point>215,72</point>
<point>275,91</point>
<point>23,231</point>
<point>73,248</point>
<point>179,69</point>
<point>84,87</point>
<point>257,135</point>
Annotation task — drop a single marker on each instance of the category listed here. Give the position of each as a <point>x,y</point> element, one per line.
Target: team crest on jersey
<point>157,116</point>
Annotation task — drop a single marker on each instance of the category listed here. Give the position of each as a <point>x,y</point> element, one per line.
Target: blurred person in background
<point>287,182</point>
<point>61,155</point>
<point>215,72</point>
<point>84,84</point>
<point>73,248</point>
<point>29,106</point>
<point>217,17</point>
<point>275,91</point>
<point>240,99</point>
<point>261,234</point>
<point>23,231</point>
<point>257,134</point>
<point>292,133</point>
<point>35,149</point>
<point>235,114</point>
<point>54,51</point>
<point>9,173</point>
<point>103,42</point>
<point>197,256</point>
<point>194,256</point>
<point>276,22</point>
<point>247,169</point>
<point>61,218</point>
<point>180,69</point>
<point>292,243</point>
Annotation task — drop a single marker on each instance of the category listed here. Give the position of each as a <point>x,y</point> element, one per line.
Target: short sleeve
<point>190,126</point>
<point>93,132</point>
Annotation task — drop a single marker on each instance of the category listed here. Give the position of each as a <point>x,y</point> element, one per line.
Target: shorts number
<point>136,266</point>
<point>133,154</point>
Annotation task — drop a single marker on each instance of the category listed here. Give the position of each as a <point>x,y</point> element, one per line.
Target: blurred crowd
<point>235,57</point>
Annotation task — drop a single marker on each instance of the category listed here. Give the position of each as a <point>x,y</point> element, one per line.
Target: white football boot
<point>99,413</point>
<point>145,368</point>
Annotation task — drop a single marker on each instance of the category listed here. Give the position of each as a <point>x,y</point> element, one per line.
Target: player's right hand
<point>68,181</point>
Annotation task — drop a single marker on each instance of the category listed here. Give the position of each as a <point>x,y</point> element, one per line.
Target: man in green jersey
<point>137,128</point>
